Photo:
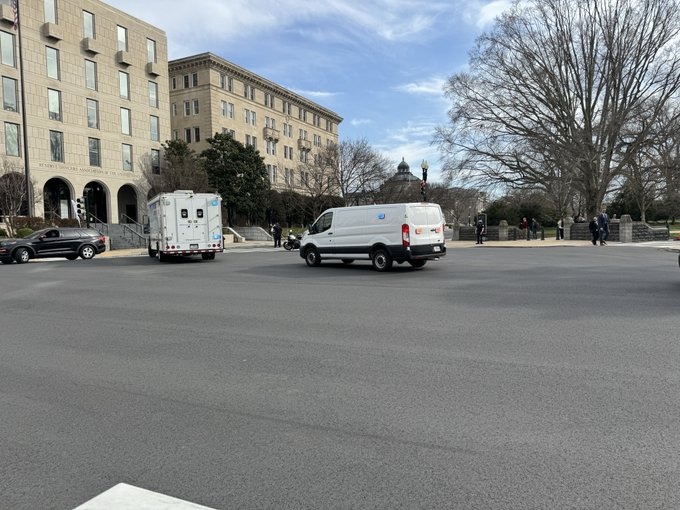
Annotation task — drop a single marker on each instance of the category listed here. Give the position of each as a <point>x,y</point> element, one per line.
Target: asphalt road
<point>492,379</point>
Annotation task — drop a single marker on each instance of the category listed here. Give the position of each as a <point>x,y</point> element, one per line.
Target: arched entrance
<point>127,204</point>
<point>57,200</point>
<point>96,202</point>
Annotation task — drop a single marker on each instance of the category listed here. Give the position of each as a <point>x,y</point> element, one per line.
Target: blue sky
<point>379,64</point>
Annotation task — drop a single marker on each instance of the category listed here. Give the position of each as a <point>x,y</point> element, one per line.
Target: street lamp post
<point>423,183</point>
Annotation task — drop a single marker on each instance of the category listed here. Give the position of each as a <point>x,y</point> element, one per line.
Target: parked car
<point>53,242</point>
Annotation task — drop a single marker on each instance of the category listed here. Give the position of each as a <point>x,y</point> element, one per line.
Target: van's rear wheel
<point>382,261</point>
<point>312,257</point>
<point>417,262</point>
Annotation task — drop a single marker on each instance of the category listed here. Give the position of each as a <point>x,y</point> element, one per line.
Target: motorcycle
<point>292,242</point>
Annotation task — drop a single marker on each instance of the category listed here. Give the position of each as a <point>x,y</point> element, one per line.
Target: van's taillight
<point>405,236</point>
<point>438,230</point>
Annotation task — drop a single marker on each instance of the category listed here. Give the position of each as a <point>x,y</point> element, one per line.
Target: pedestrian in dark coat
<point>594,230</point>
<point>276,232</point>
<point>480,231</point>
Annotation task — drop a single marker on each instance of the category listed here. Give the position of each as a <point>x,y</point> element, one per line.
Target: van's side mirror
<point>312,229</point>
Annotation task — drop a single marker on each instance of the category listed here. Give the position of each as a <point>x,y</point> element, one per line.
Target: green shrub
<point>23,232</point>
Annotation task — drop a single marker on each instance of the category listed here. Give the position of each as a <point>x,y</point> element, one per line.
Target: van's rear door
<point>427,224</point>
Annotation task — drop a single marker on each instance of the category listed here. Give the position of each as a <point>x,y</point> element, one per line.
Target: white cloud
<point>488,13</point>
<point>318,94</point>
<point>360,122</point>
<point>433,86</point>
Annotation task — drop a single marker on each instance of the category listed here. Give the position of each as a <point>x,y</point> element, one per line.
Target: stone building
<point>209,95</point>
<point>85,105</point>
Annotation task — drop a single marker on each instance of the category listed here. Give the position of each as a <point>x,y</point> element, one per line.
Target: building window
<point>272,171</point>
<point>52,59</point>
<point>186,81</point>
<point>187,108</point>
<point>175,134</point>
<point>153,128</point>
<point>269,100</point>
<point>122,38</point>
<point>91,75</point>
<point>124,84</point>
<point>187,135</point>
<point>9,94</point>
<point>253,118</point>
<point>54,104</point>
<point>246,114</point>
<point>92,114</point>
<point>88,25</point>
<point>153,94</point>
<point>150,50</point>
<point>57,146</point>
<point>126,150</point>
<point>125,121</point>
<point>249,92</point>
<point>12,139</point>
<point>174,83</point>
<point>195,106</point>
<point>226,82</point>
<point>286,108</point>
<point>173,109</point>
<point>155,161</point>
<point>271,147</point>
<point>197,134</point>
<point>93,145</point>
<point>50,11</point>
<point>194,80</point>
<point>230,110</point>
<point>223,108</point>
<point>7,49</point>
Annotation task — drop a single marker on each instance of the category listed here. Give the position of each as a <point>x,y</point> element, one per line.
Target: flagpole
<point>29,188</point>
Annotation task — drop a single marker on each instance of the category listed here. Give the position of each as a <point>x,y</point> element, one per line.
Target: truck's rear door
<point>190,228</point>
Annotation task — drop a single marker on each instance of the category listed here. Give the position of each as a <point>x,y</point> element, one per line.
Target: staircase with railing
<point>122,236</point>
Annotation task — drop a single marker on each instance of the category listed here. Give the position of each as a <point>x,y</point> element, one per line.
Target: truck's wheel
<point>312,257</point>
<point>382,261</point>
<point>208,256</point>
<point>162,257</point>
<point>152,253</point>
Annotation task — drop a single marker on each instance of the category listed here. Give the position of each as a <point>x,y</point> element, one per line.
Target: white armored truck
<point>185,223</point>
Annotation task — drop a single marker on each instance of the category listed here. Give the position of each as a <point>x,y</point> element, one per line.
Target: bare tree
<point>357,169</point>
<point>13,194</point>
<point>551,89</point>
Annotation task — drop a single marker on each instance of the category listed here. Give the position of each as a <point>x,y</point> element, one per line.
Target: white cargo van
<point>185,223</point>
<point>383,234</point>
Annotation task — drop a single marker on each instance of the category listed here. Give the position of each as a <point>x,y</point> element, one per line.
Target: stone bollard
<point>626,229</point>
<point>503,230</point>
<point>568,222</point>
<point>456,233</point>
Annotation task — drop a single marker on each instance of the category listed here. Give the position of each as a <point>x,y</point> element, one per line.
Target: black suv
<point>53,242</point>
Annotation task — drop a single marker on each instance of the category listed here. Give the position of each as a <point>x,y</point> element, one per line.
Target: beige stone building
<point>211,95</point>
<point>93,110</point>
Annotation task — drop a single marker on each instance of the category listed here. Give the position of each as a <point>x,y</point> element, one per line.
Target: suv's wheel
<point>312,257</point>
<point>71,257</point>
<point>382,261</point>
<point>22,256</point>
<point>87,252</point>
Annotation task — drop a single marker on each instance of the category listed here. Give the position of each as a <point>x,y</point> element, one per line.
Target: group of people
<point>532,228</point>
<point>599,228</point>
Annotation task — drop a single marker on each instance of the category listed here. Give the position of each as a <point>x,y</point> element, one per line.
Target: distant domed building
<point>404,173</point>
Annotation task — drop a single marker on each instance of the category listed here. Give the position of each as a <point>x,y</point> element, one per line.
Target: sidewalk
<point>537,243</point>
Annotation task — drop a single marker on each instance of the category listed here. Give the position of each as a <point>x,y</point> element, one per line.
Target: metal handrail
<point>104,225</point>
<point>130,220</point>
<point>140,238</point>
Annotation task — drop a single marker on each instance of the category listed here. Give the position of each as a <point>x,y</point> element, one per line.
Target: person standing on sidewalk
<point>480,230</point>
<point>594,230</point>
<point>534,228</point>
<point>603,226</point>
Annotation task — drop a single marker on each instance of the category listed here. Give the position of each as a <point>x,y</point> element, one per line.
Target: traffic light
<point>80,207</point>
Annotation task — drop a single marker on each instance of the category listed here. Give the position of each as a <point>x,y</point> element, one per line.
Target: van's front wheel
<point>312,257</point>
<point>382,261</point>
